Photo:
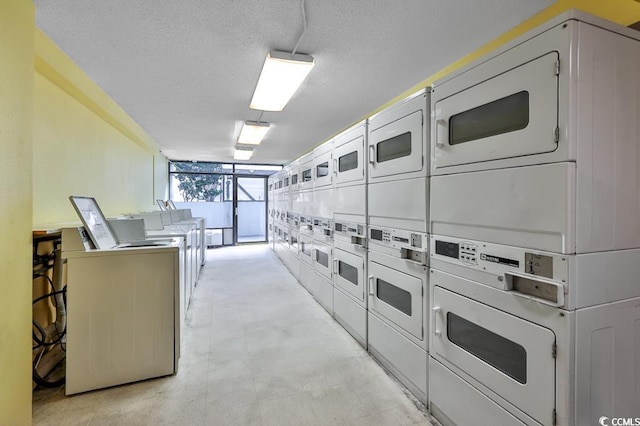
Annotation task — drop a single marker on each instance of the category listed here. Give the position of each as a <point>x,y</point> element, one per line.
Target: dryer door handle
<point>440,123</point>
<point>372,291</point>
<point>335,166</point>
<point>372,154</point>
<point>436,310</point>
<point>335,266</point>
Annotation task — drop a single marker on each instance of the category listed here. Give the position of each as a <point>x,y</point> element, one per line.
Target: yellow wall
<point>85,144</point>
<point>16,88</point>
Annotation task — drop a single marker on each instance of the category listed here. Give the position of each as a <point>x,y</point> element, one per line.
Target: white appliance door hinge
<point>554,350</point>
<point>558,67</point>
<point>556,134</point>
<point>555,417</point>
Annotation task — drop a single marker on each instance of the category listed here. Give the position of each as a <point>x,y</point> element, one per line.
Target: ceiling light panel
<point>282,74</point>
<point>253,132</point>
<point>242,153</point>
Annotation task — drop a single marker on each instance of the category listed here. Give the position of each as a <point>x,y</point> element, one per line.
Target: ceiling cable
<point>260,117</point>
<point>304,20</point>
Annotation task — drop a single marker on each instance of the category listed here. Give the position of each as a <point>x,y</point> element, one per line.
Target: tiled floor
<point>258,350</point>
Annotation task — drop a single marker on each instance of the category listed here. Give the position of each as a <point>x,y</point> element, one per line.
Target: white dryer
<point>306,253</point>
<point>350,170</point>
<point>531,337</point>
<point>398,165</point>
<point>398,297</point>
<point>350,278</point>
<point>536,145</point>
<point>322,260</point>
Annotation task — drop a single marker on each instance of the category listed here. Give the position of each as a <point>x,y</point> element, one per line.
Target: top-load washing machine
<point>123,303</point>
<point>536,145</point>
<point>398,165</point>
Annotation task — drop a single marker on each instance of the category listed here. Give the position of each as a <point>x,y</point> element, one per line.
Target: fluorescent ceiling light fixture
<point>242,153</point>
<point>282,74</point>
<point>252,132</point>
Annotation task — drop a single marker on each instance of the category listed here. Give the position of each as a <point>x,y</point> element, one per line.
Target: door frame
<point>235,208</point>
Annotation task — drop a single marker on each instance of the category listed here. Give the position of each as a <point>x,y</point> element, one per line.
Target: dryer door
<point>322,259</point>
<point>510,356</point>
<point>513,114</point>
<point>396,149</point>
<point>322,170</point>
<point>305,247</point>
<point>348,273</point>
<point>397,296</point>
<point>348,162</point>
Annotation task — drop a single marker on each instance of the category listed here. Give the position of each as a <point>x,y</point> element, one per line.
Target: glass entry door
<point>250,217</point>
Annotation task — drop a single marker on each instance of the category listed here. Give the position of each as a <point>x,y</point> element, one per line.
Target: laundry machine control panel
<point>405,244</point>
<point>541,275</point>
<point>354,233</point>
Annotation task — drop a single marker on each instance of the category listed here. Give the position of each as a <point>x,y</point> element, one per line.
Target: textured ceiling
<point>185,70</point>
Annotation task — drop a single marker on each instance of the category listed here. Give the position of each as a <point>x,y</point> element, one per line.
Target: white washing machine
<point>398,165</point>
<point>149,226</point>
<point>531,337</point>
<point>123,312</point>
<point>350,278</point>
<point>536,144</point>
<point>398,304</point>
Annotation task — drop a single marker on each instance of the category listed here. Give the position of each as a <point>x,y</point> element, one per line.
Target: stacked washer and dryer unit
<point>502,231</point>
<point>397,210</point>
<point>535,230</point>
<point>350,231</point>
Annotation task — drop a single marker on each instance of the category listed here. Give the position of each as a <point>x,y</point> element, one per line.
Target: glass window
<point>348,162</point>
<point>294,179</point>
<point>394,296</point>
<point>502,116</point>
<point>396,147</point>
<point>322,170</point>
<point>286,181</point>
<point>306,175</point>
<point>304,248</point>
<point>348,272</point>
<point>322,258</point>
<point>503,354</point>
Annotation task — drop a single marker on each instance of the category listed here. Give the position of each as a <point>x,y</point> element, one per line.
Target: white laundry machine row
<point>200,234</point>
<point>522,336</point>
<point>536,145</point>
<point>398,303</point>
<point>398,165</point>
